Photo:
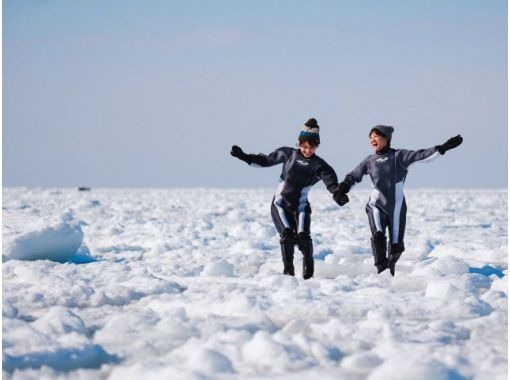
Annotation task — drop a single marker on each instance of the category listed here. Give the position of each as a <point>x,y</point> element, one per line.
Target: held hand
<point>340,195</point>
<point>342,200</point>
<point>343,187</point>
<point>453,142</point>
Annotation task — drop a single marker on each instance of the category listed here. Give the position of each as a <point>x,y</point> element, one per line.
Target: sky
<point>154,93</point>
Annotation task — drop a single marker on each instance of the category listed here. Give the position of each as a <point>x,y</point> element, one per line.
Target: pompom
<point>312,123</point>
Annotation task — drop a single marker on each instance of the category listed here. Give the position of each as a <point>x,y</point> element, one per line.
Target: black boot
<point>395,253</point>
<point>305,245</point>
<point>379,251</point>
<point>287,242</point>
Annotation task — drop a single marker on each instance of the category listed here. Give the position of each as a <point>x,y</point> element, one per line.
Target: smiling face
<point>377,141</point>
<point>307,149</point>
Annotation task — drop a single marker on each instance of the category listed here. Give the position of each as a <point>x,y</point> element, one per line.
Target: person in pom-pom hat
<point>290,208</point>
<point>386,208</point>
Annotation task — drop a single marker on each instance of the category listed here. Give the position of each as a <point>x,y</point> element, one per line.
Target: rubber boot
<point>379,251</point>
<point>305,245</point>
<point>395,253</point>
<point>287,242</point>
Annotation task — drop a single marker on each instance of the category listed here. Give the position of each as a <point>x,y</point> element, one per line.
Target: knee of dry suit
<point>303,238</point>
<point>379,239</point>
<point>304,242</point>
<point>287,236</point>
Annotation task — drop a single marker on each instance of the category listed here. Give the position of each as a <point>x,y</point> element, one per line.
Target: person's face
<point>377,141</point>
<point>307,149</point>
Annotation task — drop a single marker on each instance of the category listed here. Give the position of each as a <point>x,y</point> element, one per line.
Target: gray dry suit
<point>290,207</point>
<point>388,170</point>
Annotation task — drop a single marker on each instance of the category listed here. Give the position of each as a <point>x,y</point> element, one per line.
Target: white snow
<point>187,284</point>
<point>219,268</point>
<point>59,242</point>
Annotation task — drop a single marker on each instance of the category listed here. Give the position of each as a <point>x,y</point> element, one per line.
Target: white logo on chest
<point>382,159</point>
<point>302,163</point>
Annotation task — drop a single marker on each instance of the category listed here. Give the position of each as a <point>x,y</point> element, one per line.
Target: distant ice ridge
<point>60,242</point>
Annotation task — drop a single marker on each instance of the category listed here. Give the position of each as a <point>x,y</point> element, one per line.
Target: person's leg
<point>397,230</point>
<point>284,224</point>
<point>378,223</point>
<point>304,241</point>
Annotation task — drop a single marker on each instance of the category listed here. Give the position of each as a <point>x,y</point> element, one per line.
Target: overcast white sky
<point>153,94</point>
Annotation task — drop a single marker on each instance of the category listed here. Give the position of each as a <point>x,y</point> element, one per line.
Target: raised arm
<point>408,157</point>
<point>279,156</point>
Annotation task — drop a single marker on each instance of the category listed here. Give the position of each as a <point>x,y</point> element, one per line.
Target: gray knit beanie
<point>386,130</point>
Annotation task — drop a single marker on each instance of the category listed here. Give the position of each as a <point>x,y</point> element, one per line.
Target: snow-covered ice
<point>187,284</point>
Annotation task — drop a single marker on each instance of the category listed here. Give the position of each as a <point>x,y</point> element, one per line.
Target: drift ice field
<point>187,284</point>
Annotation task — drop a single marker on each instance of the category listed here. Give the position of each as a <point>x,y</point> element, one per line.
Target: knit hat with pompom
<point>310,133</point>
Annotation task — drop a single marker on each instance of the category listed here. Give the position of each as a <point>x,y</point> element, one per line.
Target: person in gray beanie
<point>386,208</point>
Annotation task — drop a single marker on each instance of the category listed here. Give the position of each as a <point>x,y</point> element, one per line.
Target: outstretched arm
<point>408,157</point>
<point>279,156</point>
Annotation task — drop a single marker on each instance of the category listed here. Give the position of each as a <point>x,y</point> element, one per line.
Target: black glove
<point>343,187</point>
<point>453,142</point>
<point>342,199</point>
<point>238,153</point>
<point>340,195</point>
